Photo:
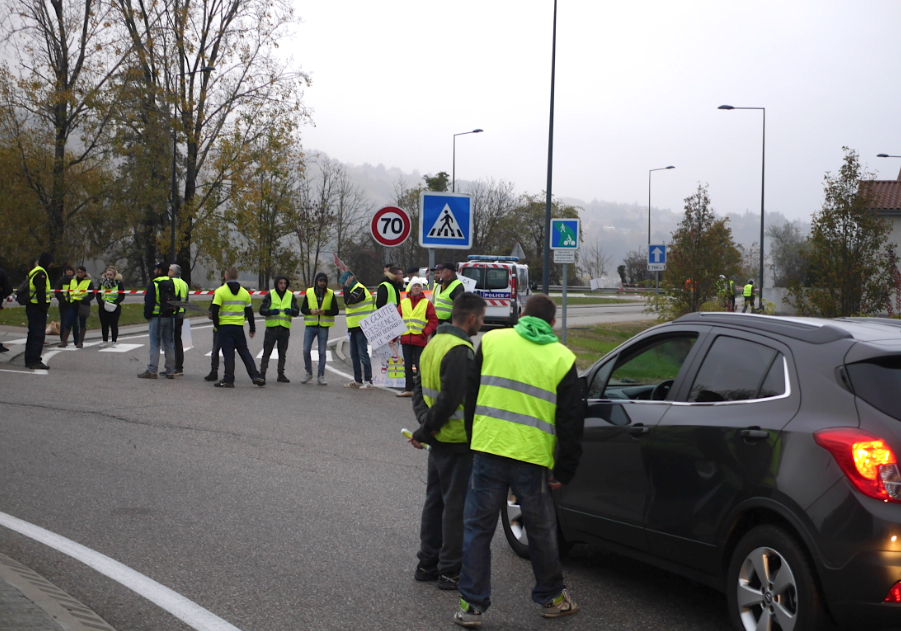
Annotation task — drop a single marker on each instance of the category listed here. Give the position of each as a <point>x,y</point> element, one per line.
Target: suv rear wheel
<point>515,529</point>
<point>770,584</point>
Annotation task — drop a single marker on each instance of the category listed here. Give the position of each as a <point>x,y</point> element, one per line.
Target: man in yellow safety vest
<point>231,306</point>
<point>36,308</point>
<point>182,292</point>
<point>319,308</point>
<point>438,398</point>
<point>524,418</point>
<point>446,290</point>
<point>358,304</point>
<point>748,294</point>
<point>279,308</point>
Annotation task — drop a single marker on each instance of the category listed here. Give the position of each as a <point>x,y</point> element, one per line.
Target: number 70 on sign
<point>390,226</point>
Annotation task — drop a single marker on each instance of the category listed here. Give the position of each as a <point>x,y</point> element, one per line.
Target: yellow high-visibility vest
<point>414,318</point>
<point>356,313</point>
<point>231,306</point>
<point>319,320</point>
<point>430,370</point>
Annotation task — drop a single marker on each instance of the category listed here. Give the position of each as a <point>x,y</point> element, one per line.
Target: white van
<point>504,284</point>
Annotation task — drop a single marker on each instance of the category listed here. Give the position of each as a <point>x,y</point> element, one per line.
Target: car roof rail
<point>892,322</point>
<point>811,332</point>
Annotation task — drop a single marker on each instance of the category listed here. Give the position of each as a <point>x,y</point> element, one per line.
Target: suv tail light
<point>894,594</point>
<point>512,284</point>
<point>867,460</point>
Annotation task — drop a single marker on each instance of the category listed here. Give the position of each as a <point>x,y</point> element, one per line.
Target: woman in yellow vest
<point>109,300</point>
<point>419,316</point>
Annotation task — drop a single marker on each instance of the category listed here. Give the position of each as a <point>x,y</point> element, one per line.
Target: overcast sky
<point>638,85</point>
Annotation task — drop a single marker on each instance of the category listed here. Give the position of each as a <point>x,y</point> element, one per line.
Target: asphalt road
<point>287,507</point>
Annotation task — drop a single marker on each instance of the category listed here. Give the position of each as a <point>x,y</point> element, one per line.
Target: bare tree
<point>351,210</point>
<point>492,202</point>
<point>317,198</point>
<point>594,260</point>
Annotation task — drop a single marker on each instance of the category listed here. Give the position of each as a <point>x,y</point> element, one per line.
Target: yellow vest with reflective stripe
<point>231,306</point>
<point>181,292</point>
<point>415,319</point>
<point>356,313</point>
<point>78,289</point>
<point>395,368</point>
<point>110,295</point>
<point>516,408</point>
<point>748,291</point>
<point>33,298</point>
<point>156,286</point>
<point>443,304</point>
<point>393,296</point>
<point>430,369</point>
<point>283,304</point>
<point>320,320</point>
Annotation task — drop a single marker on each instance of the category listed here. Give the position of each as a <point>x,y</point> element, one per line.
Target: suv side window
<point>648,372</point>
<point>738,370</point>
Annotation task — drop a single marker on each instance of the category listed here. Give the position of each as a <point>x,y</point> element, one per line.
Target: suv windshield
<point>878,382</point>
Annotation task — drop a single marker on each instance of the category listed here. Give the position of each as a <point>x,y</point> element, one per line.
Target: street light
<point>454,167</point>
<point>546,264</point>
<point>174,202</point>
<point>656,274</point>
<point>762,184</point>
<point>885,155</point>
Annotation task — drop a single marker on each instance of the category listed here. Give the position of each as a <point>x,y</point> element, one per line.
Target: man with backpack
<point>161,316</point>
<point>35,295</point>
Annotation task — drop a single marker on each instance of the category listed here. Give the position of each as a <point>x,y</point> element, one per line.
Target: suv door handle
<point>754,433</point>
<point>639,430</point>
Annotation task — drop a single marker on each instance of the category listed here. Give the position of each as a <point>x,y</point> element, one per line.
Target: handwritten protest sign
<point>469,284</point>
<point>383,326</point>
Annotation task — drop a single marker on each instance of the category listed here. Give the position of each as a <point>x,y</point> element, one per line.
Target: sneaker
<point>259,381</point>
<point>405,394</point>
<point>321,381</point>
<point>223,384</point>
<point>103,345</point>
<point>366,385</point>
<point>213,376</point>
<point>38,366</point>
<point>307,378</point>
<point>423,575</point>
<point>114,344</point>
<point>448,582</point>
<point>178,373</point>
<point>171,375</point>
<point>353,384</point>
<point>263,375</point>
<point>147,375</point>
<point>562,605</point>
<point>467,615</point>
<point>283,379</point>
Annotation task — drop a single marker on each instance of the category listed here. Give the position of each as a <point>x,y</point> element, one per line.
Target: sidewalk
<point>28,602</point>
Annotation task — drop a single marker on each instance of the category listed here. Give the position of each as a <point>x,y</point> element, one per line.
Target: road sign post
<point>564,243</point>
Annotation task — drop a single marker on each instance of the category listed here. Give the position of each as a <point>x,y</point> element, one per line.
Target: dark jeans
<point>412,353</point>
<point>492,477</point>
<point>179,349</point>
<point>319,333</point>
<point>74,321</point>
<point>64,319</point>
<point>441,530</point>
<point>279,335</point>
<point>37,327</point>
<point>109,322</point>
<point>359,354</point>
<point>214,356</point>
<point>231,337</point>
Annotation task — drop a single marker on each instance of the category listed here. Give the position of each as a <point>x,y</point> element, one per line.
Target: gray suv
<point>754,454</point>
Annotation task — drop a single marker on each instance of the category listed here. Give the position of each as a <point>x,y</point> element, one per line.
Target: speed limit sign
<point>391,226</point>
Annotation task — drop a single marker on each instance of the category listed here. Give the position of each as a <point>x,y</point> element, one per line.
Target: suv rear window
<point>878,382</point>
<point>488,277</point>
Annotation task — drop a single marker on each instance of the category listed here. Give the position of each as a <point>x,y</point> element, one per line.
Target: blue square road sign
<point>565,234</point>
<point>445,220</point>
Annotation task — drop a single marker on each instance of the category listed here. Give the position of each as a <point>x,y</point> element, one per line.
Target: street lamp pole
<point>762,184</point>
<point>454,167</point>
<point>550,166</point>
<point>656,274</point>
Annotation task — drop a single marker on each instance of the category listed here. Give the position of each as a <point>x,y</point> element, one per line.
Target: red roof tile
<point>887,194</point>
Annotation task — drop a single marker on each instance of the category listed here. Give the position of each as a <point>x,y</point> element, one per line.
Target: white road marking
<point>120,348</point>
<point>185,610</point>
<point>27,372</point>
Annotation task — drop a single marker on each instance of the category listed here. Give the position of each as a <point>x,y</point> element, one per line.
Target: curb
<point>339,349</point>
<point>62,611</point>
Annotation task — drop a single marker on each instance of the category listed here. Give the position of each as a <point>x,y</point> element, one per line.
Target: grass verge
<point>589,300</point>
<point>591,343</point>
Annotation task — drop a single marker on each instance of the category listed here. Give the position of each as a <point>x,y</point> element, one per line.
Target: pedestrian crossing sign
<point>445,220</point>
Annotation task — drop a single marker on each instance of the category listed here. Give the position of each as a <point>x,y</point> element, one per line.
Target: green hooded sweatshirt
<point>535,330</point>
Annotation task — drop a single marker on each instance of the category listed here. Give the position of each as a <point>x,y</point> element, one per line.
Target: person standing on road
<point>438,398</point>
<point>36,311</point>
<point>389,290</point>
<point>319,308</point>
<point>231,306</point>
<point>525,422</point>
<point>6,290</point>
<point>79,290</point>
<point>65,304</point>
<point>214,355</point>
<point>419,316</point>
<point>161,319</point>
<point>446,291</point>
<point>279,308</point>
<point>181,294</point>
<point>109,301</point>
<point>358,304</point>
<point>748,295</point>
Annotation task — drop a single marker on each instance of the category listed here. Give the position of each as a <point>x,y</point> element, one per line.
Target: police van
<point>504,284</point>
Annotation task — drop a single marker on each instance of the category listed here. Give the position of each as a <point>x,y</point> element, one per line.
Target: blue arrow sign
<point>445,221</point>
<point>657,254</point>
<point>565,234</point>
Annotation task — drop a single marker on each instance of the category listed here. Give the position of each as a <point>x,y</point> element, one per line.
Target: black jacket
<point>570,419</point>
<point>353,297</point>
<point>306,308</point>
<point>233,286</point>
<point>267,301</point>
<point>381,296</point>
<point>455,367</point>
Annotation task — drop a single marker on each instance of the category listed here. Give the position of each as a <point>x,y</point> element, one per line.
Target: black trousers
<point>37,327</point>
<point>275,335</point>
<point>231,336</point>
<point>109,322</point>
<point>412,353</point>
<point>441,530</point>
<point>179,349</point>
<point>214,357</point>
